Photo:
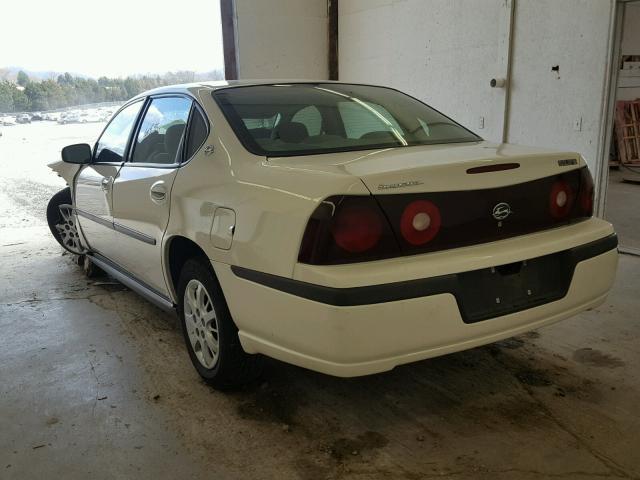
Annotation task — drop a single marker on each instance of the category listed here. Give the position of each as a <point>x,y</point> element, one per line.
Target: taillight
<point>561,199</point>
<point>350,228</point>
<point>345,229</point>
<point>586,193</point>
<point>420,222</point>
<point>357,229</point>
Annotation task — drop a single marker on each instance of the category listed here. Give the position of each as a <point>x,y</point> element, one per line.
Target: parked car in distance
<point>69,117</point>
<point>23,118</point>
<point>343,228</point>
<point>36,117</point>
<point>51,116</point>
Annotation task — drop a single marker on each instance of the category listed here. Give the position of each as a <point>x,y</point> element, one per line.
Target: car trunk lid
<point>438,168</point>
<point>437,198</point>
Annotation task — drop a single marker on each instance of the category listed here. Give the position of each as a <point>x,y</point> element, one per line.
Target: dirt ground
<point>96,383</point>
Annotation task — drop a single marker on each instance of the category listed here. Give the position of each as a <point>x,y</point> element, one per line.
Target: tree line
<point>27,95</point>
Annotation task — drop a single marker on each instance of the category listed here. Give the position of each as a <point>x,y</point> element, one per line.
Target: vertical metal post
<point>229,39</point>
<point>332,14</point>
<point>601,173</point>
<point>507,92</point>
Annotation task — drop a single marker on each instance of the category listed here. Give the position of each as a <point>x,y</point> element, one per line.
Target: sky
<point>114,38</point>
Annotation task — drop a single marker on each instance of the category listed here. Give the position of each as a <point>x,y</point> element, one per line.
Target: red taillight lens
<point>345,229</point>
<point>561,199</point>
<point>357,228</point>
<point>420,222</point>
<point>586,193</point>
<point>350,228</point>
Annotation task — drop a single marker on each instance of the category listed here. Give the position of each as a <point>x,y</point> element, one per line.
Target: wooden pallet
<point>627,126</point>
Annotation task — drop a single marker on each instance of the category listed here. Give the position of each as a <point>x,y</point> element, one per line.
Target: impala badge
<point>410,183</point>
<point>501,211</point>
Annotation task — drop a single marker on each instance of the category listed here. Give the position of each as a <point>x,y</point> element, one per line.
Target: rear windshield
<point>304,119</point>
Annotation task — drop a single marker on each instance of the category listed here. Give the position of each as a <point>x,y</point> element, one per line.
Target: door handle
<point>158,192</point>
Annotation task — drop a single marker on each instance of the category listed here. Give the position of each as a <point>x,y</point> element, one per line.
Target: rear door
<point>142,189</point>
<point>93,189</point>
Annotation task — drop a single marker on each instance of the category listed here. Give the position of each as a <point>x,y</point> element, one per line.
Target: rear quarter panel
<point>272,203</point>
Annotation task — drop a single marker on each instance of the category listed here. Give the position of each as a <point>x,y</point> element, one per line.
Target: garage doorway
<point>62,82</point>
<point>622,207</point>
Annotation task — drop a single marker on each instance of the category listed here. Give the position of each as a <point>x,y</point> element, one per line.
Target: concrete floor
<point>623,206</point>
<point>96,383</point>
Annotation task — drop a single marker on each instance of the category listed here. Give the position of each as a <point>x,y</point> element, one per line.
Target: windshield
<point>303,119</point>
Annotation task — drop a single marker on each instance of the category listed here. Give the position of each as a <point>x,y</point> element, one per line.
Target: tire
<point>64,229</point>
<point>231,367</point>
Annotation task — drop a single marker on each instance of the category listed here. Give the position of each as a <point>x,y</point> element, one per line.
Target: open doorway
<point>623,189</point>
<point>71,69</point>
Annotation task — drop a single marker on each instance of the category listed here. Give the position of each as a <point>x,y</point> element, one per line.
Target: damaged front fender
<point>65,170</point>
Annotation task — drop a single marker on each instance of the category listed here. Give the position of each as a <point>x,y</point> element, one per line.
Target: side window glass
<point>197,133</point>
<point>161,132</point>
<point>367,120</point>
<point>311,118</point>
<point>113,142</point>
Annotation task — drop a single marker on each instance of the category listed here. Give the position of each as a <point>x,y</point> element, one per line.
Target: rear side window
<point>113,141</point>
<point>160,136</point>
<point>197,133</point>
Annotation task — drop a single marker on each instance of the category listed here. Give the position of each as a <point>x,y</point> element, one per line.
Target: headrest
<point>172,139</point>
<point>293,132</point>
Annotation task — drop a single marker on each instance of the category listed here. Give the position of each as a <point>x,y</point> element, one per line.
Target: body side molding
<point>117,227</point>
<point>133,283</point>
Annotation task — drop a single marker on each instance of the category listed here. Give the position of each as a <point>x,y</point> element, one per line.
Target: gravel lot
<point>26,183</point>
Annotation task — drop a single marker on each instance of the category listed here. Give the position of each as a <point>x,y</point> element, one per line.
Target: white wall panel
<point>546,107</point>
<point>282,39</point>
<point>445,51</point>
<point>442,51</point>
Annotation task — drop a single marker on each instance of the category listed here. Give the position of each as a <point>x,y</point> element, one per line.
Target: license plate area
<point>493,292</point>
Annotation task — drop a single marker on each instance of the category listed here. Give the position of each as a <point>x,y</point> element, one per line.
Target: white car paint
<point>250,211</point>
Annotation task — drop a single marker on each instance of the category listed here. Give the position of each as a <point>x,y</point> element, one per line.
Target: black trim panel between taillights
<point>360,228</point>
<point>450,283</point>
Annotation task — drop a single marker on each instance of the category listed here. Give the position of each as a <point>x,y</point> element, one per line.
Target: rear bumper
<point>408,289</point>
<point>359,330</point>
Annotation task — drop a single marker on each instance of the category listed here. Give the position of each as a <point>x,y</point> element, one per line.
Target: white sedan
<point>343,228</point>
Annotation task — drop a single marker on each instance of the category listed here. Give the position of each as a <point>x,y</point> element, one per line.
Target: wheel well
<point>180,250</point>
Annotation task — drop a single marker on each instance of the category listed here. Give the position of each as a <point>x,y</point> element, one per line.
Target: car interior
<point>160,147</point>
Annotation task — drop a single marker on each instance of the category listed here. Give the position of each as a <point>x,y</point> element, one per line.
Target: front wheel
<point>209,332</point>
<point>62,221</point>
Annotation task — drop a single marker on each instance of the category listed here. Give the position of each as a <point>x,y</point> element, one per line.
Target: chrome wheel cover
<point>201,323</point>
<point>68,230</point>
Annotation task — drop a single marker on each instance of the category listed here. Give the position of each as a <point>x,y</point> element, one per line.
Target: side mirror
<point>80,153</point>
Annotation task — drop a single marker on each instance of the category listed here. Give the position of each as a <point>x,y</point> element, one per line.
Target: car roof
<point>220,84</point>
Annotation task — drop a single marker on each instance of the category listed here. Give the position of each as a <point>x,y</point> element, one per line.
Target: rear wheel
<point>62,221</point>
<point>209,332</point>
